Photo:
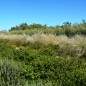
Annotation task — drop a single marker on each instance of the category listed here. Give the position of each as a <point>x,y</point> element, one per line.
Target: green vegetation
<point>10,73</point>
<point>38,55</point>
<point>66,29</point>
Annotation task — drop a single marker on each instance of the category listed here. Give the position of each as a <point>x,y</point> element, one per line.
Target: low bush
<point>44,63</point>
<point>10,73</point>
<point>67,71</point>
<point>6,51</point>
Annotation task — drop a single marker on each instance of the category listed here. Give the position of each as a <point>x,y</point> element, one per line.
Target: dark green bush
<point>25,55</point>
<point>47,52</point>
<point>6,51</point>
<point>67,28</point>
<point>68,71</point>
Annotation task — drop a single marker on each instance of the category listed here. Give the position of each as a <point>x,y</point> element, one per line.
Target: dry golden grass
<point>75,44</point>
<point>42,38</point>
<point>48,39</point>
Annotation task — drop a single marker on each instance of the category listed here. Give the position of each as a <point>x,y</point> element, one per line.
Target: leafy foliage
<point>66,29</point>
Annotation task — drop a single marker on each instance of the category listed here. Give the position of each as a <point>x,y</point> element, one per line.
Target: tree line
<point>67,28</point>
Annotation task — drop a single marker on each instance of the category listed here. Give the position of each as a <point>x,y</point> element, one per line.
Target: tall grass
<point>75,45</point>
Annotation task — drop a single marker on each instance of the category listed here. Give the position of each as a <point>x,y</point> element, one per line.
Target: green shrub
<point>6,51</point>
<point>10,73</point>
<point>25,55</point>
<point>67,71</point>
<point>47,52</point>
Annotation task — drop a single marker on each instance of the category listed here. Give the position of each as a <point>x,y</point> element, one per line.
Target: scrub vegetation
<point>41,55</point>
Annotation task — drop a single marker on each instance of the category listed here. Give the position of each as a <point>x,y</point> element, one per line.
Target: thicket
<point>66,29</point>
<point>39,55</point>
<point>40,64</point>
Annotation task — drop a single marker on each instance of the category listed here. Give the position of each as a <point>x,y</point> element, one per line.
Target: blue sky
<point>50,12</point>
